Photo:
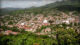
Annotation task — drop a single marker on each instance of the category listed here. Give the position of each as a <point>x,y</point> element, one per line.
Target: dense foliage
<point>58,36</point>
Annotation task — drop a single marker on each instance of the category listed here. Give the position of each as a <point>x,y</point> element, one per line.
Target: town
<point>37,22</point>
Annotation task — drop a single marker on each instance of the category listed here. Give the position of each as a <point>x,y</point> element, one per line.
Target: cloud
<point>29,0</point>
<point>24,3</point>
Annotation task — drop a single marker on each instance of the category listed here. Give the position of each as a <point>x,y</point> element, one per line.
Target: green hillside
<point>58,6</point>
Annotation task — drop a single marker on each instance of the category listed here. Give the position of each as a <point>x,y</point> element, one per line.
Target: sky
<point>24,3</point>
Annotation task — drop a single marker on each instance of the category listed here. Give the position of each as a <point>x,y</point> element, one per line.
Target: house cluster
<point>8,32</point>
<point>39,20</point>
<point>33,22</point>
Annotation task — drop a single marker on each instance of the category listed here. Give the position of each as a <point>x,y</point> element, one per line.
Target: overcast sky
<point>24,3</point>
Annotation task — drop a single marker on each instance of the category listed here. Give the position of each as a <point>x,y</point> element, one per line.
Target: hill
<point>7,10</point>
<point>71,5</point>
<point>64,5</point>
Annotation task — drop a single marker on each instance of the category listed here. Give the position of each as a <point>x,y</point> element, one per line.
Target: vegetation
<point>63,37</point>
<point>25,38</point>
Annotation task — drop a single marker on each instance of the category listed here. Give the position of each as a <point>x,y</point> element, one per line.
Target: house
<point>77,20</point>
<point>27,27</point>
<point>22,24</point>
<point>10,25</point>
<point>45,22</point>
<point>7,32</point>
<point>14,33</point>
<point>66,21</point>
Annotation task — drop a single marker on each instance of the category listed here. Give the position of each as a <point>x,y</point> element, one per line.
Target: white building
<point>66,21</point>
<point>45,21</point>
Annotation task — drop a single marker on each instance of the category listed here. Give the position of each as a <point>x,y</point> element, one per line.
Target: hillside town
<point>36,22</point>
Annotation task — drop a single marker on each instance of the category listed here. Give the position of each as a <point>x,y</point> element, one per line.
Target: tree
<point>10,23</point>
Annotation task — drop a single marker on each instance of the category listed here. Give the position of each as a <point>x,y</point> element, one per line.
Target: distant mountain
<point>9,9</point>
<point>68,8</point>
<point>6,10</point>
<point>70,4</point>
<point>64,5</point>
